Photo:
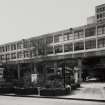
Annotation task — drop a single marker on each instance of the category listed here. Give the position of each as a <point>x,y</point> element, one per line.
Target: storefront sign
<point>34,78</point>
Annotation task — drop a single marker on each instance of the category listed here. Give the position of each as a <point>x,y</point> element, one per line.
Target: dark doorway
<point>93,69</point>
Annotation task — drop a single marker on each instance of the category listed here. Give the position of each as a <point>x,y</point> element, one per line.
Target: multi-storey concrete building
<point>44,54</point>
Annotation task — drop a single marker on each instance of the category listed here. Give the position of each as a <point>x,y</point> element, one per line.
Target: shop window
<point>50,70</point>
<point>50,67</point>
<point>79,46</point>
<point>68,47</point>
<point>58,49</point>
<point>90,44</point>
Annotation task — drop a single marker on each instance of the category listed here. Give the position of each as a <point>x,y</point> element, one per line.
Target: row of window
<point>89,44</point>
<point>101,30</point>
<point>101,9</point>
<point>41,43</point>
<point>101,15</point>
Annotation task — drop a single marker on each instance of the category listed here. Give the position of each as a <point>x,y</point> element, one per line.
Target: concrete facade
<point>73,43</point>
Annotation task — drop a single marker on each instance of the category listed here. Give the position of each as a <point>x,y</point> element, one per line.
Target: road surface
<point>10,100</point>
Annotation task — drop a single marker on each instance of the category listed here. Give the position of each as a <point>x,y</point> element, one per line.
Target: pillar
<point>18,71</point>
<point>55,67</point>
<point>35,69</point>
<point>80,69</point>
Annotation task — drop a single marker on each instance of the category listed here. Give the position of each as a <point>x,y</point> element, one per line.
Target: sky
<point>22,19</point>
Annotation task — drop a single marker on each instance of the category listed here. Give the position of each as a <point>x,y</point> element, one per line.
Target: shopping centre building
<point>82,47</point>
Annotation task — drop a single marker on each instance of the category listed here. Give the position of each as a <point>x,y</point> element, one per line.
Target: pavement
<point>88,91</point>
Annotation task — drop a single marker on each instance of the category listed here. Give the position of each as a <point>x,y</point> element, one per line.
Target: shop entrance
<point>93,68</point>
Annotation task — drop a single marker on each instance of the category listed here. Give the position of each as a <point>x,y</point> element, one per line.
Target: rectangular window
<point>19,55</point>
<point>0,49</point>
<point>34,43</point>
<point>49,50</point>
<point>90,44</point>
<point>58,49</point>
<point>33,52</point>
<point>58,38</point>
<point>104,30</point>
<point>68,47</point>
<point>26,54</point>
<point>81,34</point>
<point>41,46</point>
<point>13,56</point>
<point>78,46</point>
<point>7,48</point>
<point>49,40</point>
<point>3,49</point>
<point>78,34</point>
<point>7,56</point>
<point>19,45</point>
<point>101,42</point>
<point>13,46</point>
<point>2,57</point>
<point>99,31</point>
<point>26,44</point>
<point>68,36</point>
<point>90,32</point>
<point>41,51</point>
<point>50,68</point>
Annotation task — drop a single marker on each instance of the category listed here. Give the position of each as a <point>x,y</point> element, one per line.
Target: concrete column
<point>53,45</point>
<point>84,38</point>
<point>18,70</point>
<point>96,38</point>
<point>80,69</point>
<point>35,69</point>
<point>55,67</point>
<point>73,41</point>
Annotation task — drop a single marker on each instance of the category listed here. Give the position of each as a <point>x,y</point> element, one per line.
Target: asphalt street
<point>10,100</point>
